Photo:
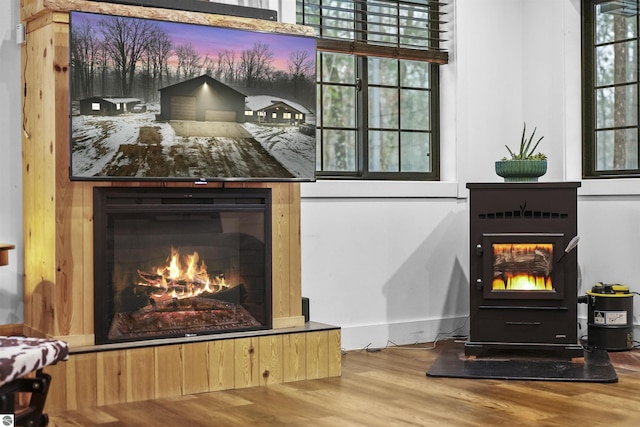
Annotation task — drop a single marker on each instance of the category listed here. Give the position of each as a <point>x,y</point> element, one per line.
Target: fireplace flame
<point>522,282</point>
<point>522,266</point>
<point>182,278</point>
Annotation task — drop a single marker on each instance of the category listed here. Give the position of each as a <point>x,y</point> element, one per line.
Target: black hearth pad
<point>452,362</point>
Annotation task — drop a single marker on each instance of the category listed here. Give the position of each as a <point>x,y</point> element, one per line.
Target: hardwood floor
<point>390,388</point>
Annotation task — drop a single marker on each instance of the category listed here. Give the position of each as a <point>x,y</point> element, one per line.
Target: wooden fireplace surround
<point>58,251</point>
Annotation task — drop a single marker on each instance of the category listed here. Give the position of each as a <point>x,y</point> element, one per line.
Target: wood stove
<point>523,282</point>
<point>177,262</point>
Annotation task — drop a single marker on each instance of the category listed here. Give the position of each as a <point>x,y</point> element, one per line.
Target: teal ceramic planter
<point>521,170</point>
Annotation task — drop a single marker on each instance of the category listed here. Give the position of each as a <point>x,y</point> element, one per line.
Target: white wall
<point>511,61</point>
<point>389,261</point>
<point>385,268</point>
<point>10,164</point>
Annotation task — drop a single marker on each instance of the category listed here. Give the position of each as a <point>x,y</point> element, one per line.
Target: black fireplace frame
<point>109,200</point>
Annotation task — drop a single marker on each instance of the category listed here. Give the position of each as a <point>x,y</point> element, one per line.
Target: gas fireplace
<point>178,262</point>
<point>523,271</point>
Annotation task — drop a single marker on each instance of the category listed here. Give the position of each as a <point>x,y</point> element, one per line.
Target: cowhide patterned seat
<point>20,356</point>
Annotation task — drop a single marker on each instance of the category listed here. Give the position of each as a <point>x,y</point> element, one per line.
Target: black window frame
<point>360,50</point>
<point>589,98</point>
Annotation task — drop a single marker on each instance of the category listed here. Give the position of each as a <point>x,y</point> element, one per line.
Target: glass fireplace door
<point>168,265</point>
<point>527,266</point>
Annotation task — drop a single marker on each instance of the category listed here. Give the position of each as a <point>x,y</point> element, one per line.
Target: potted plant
<point>525,164</point>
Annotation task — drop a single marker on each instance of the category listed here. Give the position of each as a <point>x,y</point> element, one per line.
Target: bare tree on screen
<point>126,40</point>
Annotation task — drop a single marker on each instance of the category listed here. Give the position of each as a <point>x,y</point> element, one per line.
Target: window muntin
<point>394,112</point>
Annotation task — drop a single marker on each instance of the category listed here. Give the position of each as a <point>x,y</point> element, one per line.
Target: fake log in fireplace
<point>178,262</point>
<point>523,278</point>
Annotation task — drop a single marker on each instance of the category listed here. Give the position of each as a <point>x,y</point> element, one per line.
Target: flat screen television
<point>152,100</point>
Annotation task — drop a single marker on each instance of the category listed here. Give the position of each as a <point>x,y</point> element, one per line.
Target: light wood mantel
<point>58,212</point>
<point>58,246</point>
<point>33,9</point>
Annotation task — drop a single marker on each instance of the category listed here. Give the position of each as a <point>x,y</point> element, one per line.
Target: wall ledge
<point>610,187</point>
<point>378,189</point>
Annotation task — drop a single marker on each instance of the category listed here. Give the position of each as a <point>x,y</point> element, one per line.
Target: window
<point>610,88</point>
<point>377,115</point>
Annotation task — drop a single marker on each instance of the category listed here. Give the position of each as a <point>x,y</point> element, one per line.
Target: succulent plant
<point>527,152</point>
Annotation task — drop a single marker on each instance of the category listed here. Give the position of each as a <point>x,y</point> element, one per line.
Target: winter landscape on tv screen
<point>156,100</point>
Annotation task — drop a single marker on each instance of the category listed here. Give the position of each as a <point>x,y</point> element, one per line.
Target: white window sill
<point>610,187</point>
<point>443,189</point>
<point>378,189</point>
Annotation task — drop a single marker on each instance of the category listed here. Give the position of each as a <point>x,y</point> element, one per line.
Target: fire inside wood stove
<point>522,266</point>
<point>180,298</point>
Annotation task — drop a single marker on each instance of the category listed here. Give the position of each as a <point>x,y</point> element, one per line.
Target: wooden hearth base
<point>118,373</point>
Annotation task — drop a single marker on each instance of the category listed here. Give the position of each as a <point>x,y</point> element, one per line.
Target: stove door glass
<point>522,266</point>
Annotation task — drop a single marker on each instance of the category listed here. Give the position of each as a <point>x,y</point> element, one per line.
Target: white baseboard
<point>402,333</point>
<point>419,331</point>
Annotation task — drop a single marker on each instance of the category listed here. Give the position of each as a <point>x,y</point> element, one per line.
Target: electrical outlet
<point>21,36</point>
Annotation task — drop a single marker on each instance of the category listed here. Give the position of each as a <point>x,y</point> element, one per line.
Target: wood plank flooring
<point>390,388</point>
